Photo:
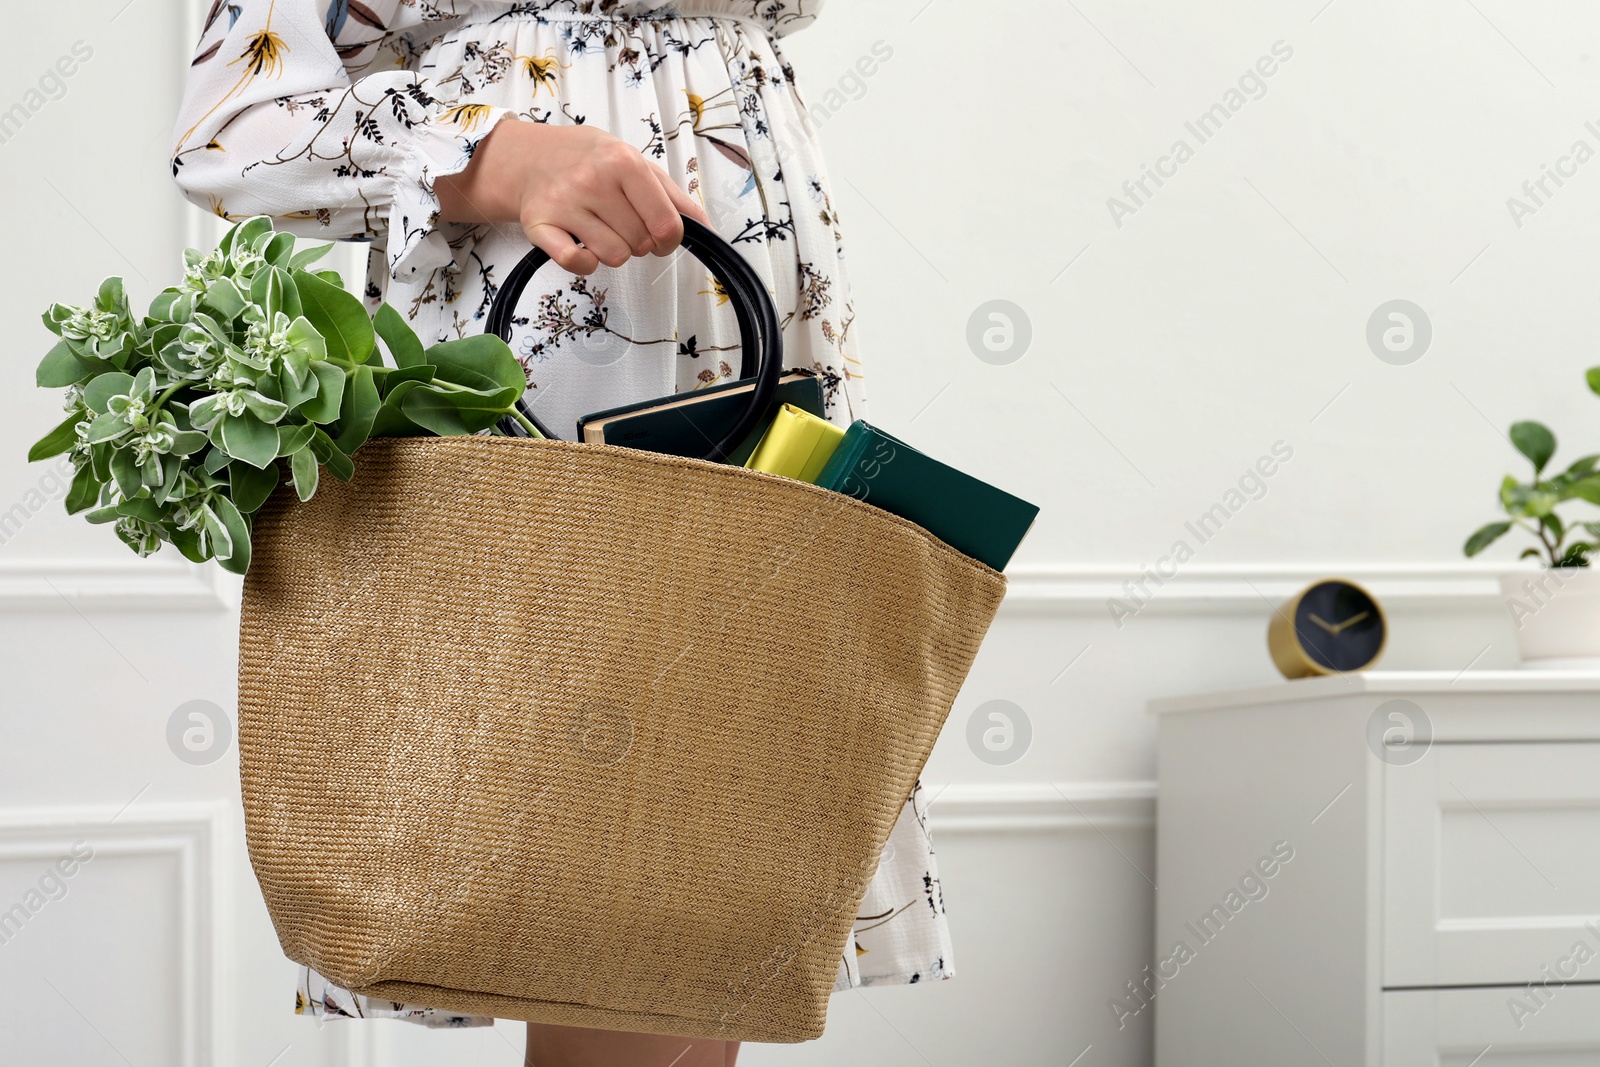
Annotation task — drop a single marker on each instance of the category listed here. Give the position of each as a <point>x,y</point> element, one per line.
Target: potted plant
<point>1556,610</point>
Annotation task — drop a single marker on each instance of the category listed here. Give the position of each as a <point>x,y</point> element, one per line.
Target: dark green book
<point>969,515</point>
<point>690,423</point>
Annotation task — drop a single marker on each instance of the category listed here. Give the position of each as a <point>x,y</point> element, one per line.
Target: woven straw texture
<point>588,735</point>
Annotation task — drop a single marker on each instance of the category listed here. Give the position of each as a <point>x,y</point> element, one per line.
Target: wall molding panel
<point>1025,807</point>
<point>190,834</point>
<point>133,584</point>
<point>1245,588</point>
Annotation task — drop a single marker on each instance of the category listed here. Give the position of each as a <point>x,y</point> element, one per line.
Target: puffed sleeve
<point>279,118</point>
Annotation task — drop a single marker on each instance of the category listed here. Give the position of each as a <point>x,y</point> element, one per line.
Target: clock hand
<point>1350,622</point>
<point>1325,625</point>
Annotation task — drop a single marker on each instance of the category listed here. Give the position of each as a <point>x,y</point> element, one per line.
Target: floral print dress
<point>336,117</point>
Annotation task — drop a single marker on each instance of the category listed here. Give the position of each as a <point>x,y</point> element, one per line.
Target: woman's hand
<point>565,182</point>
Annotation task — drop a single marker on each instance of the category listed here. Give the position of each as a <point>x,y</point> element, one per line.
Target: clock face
<point>1339,626</point>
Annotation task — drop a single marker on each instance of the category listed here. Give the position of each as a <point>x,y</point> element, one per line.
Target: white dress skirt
<point>336,116</point>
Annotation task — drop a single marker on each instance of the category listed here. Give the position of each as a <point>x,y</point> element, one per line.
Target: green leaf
<point>455,411</point>
<point>294,395</point>
<point>248,438</point>
<point>1576,555</point>
<point>153,472</point>
<point>161,305</point>
<point>292,438</point>
<point>216,532</point>
<point>106,427</point>
<point>62,367</point>
<point>291,292</point>
<point>215,460</point>
<point>1535,441</point>
<point>266,289</point>
<point>263,407</point>
<point>305,257</point>
<point>1584,489</point>
<point>324,407</point>
<point>224,297</point>
<point>391,420</point>
<point>250,486</point>
<point>1593,378</point>
<point>84,492</point>
<point>111,296</point>
<point>338,317</point>
<point>100,461</point>
<point>169,482</point>
<point>126,472</point>
<point>421,373</point>
<point>246,232</point>
<point>304,467</point>
<point>143,508</point>
<point>187,442</point>
<point>338,464</point>
<point>105,386</point>
<point>398,335</point>
<point>481,362</point>
<point>359,409</point>
<point>1584,464</point>
<point>238,560</point>
<point>58,440</point>
<point>279,250</point>
<point>188,542</point>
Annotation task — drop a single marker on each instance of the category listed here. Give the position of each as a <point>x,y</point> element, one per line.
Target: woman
<point>451,134</point>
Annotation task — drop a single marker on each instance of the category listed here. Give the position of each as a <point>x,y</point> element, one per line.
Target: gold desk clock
<point>1329,627</point>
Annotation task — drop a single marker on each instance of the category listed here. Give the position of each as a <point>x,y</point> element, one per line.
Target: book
<point>796,445</point>
<point>968,514</point>
<point>688,424</point>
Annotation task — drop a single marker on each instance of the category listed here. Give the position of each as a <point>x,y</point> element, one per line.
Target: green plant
<point>1532,505</point>
<point>180,423</point>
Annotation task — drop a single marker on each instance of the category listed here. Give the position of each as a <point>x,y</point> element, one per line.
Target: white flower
<point>158,441</point>
<point>141,536</point>
<point>245,260</point>
<point>202,272</point>
<point>86,323</point>
<point>269,343</point>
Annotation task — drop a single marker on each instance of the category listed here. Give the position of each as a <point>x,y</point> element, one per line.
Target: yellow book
<point>796,445</point>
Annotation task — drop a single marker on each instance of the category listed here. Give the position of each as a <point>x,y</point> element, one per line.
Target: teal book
<point>965,513</point>
<point>690,423</point>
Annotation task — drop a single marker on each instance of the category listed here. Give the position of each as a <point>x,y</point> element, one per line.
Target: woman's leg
<point>575,1046</point>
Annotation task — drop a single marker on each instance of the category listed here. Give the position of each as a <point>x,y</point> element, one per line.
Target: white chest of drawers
<point>1332,895</point>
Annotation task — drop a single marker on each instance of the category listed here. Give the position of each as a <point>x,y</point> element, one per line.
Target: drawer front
<point>1492,865</point>
<point>1492,1027</point>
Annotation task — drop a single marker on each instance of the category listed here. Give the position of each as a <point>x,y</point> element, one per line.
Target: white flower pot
<point>1556,616</point>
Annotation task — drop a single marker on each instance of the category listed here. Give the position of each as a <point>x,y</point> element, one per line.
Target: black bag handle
<point>761,337</point>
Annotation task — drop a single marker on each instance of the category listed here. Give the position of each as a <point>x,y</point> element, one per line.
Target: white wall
<point>1228,313</point>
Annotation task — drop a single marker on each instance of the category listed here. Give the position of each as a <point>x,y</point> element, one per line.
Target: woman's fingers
<point>599,236</point>
<point>560,246</point>
<point>682,202</point>
<point>654,207</point>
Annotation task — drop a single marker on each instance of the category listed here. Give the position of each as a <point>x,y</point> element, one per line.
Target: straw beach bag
<point>513,742</point>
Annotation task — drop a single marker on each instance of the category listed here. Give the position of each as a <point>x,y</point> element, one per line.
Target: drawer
<point>1462,1027</point>
<point>1492,864</point>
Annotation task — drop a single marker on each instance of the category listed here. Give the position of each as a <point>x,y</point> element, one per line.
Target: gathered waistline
<point>580,16</point>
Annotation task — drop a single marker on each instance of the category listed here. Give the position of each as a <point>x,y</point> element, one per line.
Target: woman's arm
<point>275,122</point>
<point>272,123</point>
